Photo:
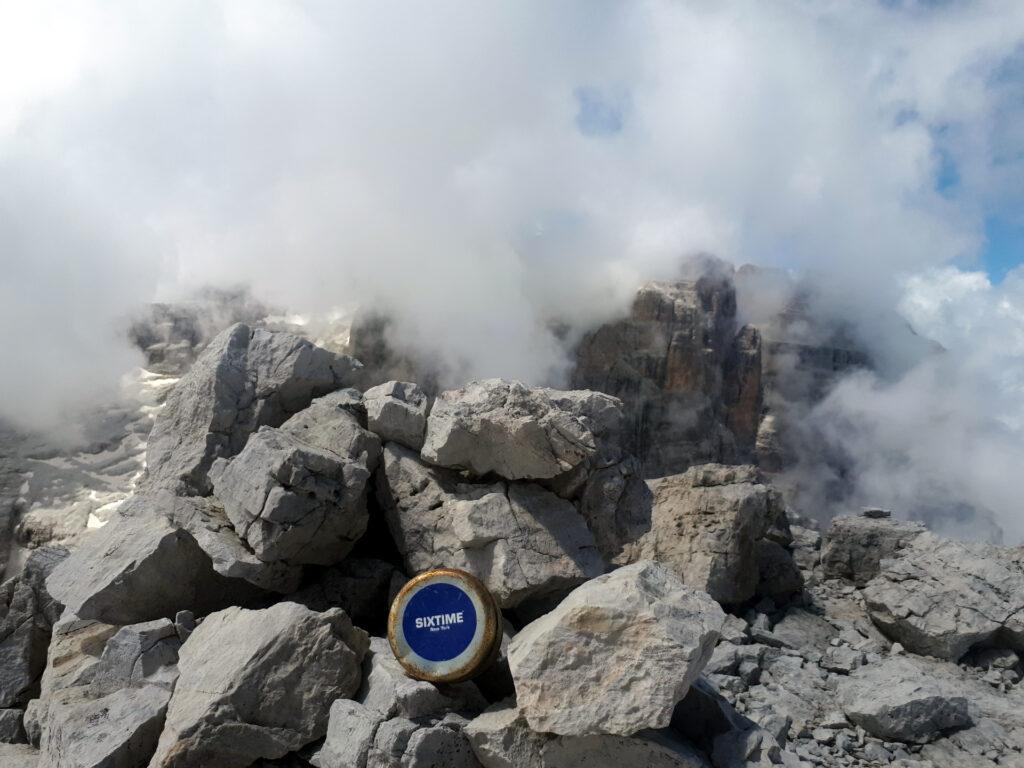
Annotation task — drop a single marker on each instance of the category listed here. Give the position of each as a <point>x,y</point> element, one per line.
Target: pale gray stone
<point>388,690</point>
<point>855,545</point>
<point>512,430</point>
<point>616,655</point>
<point>146,564</point>
<point>397,411</point>
<point>802,629</point>
<point>19,756</point>
<point>351,728</point>
<point>119,730</point>
<point>899,700</point>
<point>706,524</point>
<point>136,655</point>
<point>648,749</point>
<point>521,540</point>
<point>295,502</point>
<point>258,683</point>
<point>112,712</point>
<point>246,378</point>
<point>501,738</point>
<point>940,597</point>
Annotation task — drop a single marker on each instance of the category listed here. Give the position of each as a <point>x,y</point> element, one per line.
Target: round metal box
<point>444,626</point>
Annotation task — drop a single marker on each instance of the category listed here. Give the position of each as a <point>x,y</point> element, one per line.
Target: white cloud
<point>428,157</point>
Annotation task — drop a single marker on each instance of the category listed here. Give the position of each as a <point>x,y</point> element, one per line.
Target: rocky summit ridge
<point>663,605</point>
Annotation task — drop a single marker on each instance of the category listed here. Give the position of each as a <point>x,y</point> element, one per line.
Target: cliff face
<point>690,380</point>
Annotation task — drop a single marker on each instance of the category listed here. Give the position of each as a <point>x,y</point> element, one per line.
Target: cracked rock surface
<point>520,539</point>
<point>246,378</point>
<point>616,655</point>
<point>505,428</point>
<point>236,662</point>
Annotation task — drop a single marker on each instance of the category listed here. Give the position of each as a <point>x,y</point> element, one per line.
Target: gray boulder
<point>512,430</point>
<point>27,614</point>
<point>358,737</point>
<point>940,597</point>
<point>351,728</point>
<point>294,502</point>
<point>258,684</point>
<point>137,655</point>
<point>246,378</point>
<point>902,700</point>
<point>161,554</point>
<point>18,756</point>
<point>616,655</point>
<point>119,730</point>
<point>501,738</point>
<point>113,713</point>
<point>12,730</point>
<point>521,540</point>
<point>386,689</point>
<point>397,411</point>
<point>706,526</point>
<point>855,545</point>
<point>75,648</point>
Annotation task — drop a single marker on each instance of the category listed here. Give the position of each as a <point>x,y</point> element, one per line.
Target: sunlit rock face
<point>690,380</point>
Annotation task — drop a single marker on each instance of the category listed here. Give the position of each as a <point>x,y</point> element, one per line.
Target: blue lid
<point>443,626</point>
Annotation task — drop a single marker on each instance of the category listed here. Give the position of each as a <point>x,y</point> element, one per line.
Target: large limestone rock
<point>690,384</point>
<point>388,690</point>
<point>855,545</point>
<point>512,430</point>
<point>706,525</point>
<point>246,378</point>
<point>161,554</point>
<point>940,597</point>
<point>501,738</point>
<point>258,684</point>
<point>901,700</point>
<point>295,502</point>
<point>521,540</point>
<point>27,614</point>
<point>118,730</point>
<point>397,411</point>
<point>113,715</point>
<point>616,655</point>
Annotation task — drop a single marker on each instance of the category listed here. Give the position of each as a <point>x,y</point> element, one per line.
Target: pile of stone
<point>232,612</point>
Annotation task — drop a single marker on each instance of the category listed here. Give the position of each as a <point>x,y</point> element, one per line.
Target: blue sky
<point>1004,247</point>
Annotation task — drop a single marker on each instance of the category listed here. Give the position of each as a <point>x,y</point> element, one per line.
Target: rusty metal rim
<point>491,636</point>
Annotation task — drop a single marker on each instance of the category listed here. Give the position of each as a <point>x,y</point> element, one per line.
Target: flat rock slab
<point>616,655</point>
<point>258,684</point>
<point>940,597</point>
<point>518,433</point>
<point>901,700</point>
<point>159,555</point>
<point>522,541</point>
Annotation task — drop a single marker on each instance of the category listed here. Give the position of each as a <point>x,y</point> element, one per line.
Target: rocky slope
<point>661,609</point>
